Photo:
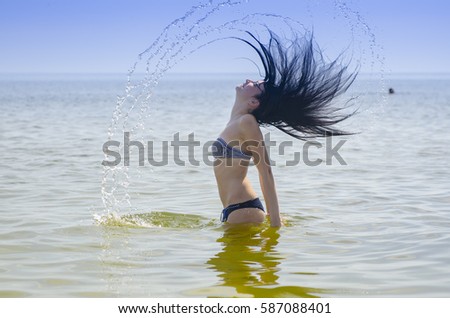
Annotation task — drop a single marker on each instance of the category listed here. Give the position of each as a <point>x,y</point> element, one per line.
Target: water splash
<point>138,93</point>
<point>181,38</point>
<point>156,219</point>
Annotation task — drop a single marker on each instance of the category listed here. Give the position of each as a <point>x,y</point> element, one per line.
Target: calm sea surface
<point>375,224</point>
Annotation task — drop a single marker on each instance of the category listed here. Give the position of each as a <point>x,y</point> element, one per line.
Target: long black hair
<point>299,86</point>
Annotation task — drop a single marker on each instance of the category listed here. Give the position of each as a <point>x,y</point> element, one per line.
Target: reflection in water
<point>248,265</point>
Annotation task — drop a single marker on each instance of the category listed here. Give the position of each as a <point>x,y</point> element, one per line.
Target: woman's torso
<point>231,173</point>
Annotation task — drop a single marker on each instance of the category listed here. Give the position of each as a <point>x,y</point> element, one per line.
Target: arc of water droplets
<point>170,54</point>
<point>111,203</point>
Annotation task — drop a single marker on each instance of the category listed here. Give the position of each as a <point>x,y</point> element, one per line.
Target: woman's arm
<point>255,144</point>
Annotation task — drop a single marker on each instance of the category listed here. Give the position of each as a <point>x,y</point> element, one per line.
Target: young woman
<point>295,97</point>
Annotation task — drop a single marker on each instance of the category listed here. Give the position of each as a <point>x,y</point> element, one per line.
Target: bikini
<point>255,203</point>
<point>223,150</point>
<point>220,149</point>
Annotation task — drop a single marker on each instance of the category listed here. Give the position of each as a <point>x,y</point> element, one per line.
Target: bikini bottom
<point>255,203</point>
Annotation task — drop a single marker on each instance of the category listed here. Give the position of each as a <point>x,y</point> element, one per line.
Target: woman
<point>295,97</point>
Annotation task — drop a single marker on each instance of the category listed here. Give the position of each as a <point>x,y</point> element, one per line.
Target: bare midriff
<point>231,176</point>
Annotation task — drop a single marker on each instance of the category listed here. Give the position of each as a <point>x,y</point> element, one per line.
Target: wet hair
<point>299,87</point>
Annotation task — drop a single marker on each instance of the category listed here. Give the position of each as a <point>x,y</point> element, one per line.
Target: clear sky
<point>98,36</point>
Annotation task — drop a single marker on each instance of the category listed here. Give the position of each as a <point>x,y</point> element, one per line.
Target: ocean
<point>366,215</point>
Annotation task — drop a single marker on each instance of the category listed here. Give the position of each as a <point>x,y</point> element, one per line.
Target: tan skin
<point>242,130</point>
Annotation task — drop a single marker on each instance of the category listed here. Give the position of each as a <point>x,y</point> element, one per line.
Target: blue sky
<point>98,36</point>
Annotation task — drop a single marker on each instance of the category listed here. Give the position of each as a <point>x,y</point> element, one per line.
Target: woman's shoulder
<point>248,121</point>
<point>248,126</point>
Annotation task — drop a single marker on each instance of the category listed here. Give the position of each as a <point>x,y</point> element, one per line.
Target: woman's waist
<point>236,192</point>
<point>231,169</point>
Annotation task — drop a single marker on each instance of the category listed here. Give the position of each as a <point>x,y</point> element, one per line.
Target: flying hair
<point>299,87</point>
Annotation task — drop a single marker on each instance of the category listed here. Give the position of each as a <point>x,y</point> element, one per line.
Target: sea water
<point>377,225</point>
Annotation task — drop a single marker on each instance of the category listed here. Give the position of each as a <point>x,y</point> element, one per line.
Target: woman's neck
<point>238,111</point>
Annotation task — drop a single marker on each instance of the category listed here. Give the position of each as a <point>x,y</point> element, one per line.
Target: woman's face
<point>250,89</point>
